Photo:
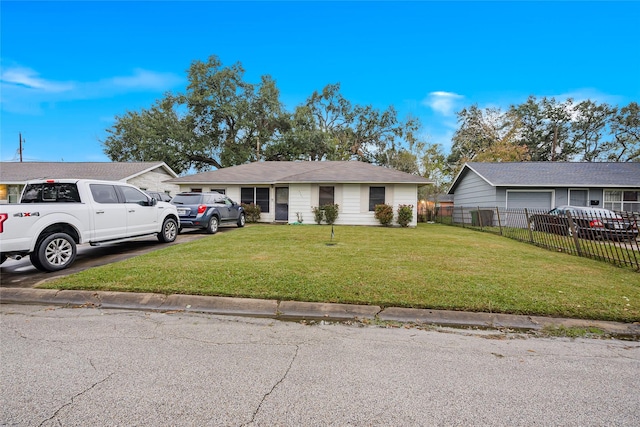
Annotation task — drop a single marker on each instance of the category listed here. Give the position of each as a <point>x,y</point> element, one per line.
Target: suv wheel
<point>212,227</point>
<point>241,220</point>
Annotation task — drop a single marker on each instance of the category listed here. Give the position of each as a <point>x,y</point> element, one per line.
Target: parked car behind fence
<point>587,223</point>
<point>611,236</point>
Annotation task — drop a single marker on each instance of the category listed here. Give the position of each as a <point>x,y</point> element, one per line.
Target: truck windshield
<point>50,193</point>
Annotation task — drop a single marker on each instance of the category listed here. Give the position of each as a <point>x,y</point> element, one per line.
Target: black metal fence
<point>584,233</point>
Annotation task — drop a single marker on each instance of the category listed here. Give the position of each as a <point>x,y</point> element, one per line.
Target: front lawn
<point>432,266</point>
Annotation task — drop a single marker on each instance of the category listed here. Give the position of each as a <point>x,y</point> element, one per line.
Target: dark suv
<point>207,211</point>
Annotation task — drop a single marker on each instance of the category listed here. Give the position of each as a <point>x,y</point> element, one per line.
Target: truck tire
<point>242,219</point>
<point>169,231</point>
<point>212,226</point>
<point>55,252</point>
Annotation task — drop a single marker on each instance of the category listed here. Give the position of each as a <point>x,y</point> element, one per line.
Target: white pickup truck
<point>54,216</point>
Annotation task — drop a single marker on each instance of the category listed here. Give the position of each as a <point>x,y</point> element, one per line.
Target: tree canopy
<point>222,120</point>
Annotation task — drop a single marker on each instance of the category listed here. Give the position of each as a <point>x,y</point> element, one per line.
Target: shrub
<point>384,214</point>
<point>330,213</point>
<point>318,215</point>
<point>252,212</point>
<point>405,215</point>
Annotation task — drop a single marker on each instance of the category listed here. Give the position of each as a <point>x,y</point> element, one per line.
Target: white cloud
<point>29,79</point>
<point>24,91</point>
<point>442,102</point>
<point>144,79</point>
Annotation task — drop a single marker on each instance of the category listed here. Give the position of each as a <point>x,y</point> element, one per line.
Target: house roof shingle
<point>286,172</point>
<point>20,172</point>
<point>555,174</point>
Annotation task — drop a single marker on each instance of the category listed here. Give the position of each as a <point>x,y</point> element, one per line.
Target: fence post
<point>526,214</point>
<point>499,221</point>
<point>572,228</point>
<point>479,218</point>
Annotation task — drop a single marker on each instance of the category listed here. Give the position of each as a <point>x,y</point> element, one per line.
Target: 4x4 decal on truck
<point>23,214</point>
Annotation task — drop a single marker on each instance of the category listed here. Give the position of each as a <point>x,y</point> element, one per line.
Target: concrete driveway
<point>22,274</point>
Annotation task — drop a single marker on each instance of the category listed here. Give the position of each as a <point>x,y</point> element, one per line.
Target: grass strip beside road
<point>432,266</point>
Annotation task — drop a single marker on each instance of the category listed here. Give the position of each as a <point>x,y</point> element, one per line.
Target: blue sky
<point>68,68</point>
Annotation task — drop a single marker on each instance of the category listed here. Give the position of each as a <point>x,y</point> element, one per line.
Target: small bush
<point>252,212</point>
<point>384,214</point>
<point>330,213</point>
<point>318,215</point>
<point>405,215</point>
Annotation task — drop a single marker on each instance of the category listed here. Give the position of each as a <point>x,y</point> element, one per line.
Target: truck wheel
<point>55,252</point>
<point>241,220</point>
<point>169,231</point>
<point>212,227</point>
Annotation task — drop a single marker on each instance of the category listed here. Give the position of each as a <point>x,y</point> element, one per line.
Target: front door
<point>282,203</point>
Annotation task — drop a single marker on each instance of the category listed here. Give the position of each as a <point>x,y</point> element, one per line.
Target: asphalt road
<point>88,366</point>
<point>22,274</point>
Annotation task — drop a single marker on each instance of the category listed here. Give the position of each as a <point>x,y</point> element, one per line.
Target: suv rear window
<point>50,193</point>
<point>186,199</point>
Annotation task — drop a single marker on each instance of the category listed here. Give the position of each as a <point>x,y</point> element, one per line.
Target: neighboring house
<point>545,185</point>
<point>145,175</point>
<point>288,191</point>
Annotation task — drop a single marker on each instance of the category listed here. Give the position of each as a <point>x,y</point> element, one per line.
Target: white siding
<point>300,201</point>
<point>405,195</point>
<point>353,201</point>
<point>474,191</point>
<point>354,209</point>
<point>153,180</point>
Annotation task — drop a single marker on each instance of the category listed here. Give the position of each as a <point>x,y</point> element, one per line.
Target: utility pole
<point>20,149</point>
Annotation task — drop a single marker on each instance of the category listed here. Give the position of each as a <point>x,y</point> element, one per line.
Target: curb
<point>296,310</point>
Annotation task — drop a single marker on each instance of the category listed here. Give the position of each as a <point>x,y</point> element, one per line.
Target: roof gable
<point>554,174</point>
<point>286,172</point>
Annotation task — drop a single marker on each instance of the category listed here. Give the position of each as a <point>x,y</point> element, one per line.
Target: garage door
<point>529,199</point>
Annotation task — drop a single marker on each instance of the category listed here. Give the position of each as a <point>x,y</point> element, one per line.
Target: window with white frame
<point>622,200</point>
<point>579,197</point>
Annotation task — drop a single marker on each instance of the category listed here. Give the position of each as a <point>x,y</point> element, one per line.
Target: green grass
<point>432,266</point>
